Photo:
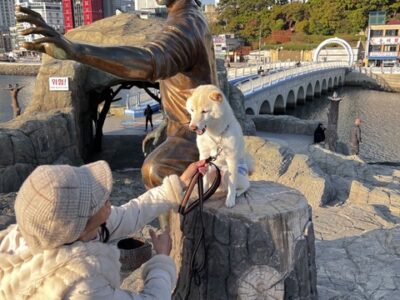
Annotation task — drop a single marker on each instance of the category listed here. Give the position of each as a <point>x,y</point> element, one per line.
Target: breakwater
<point>19,69</point>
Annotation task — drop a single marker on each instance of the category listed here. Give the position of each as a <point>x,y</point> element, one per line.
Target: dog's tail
<point>249,162</point>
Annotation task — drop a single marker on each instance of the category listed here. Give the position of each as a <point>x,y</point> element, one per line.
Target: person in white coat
<point>61,246</point>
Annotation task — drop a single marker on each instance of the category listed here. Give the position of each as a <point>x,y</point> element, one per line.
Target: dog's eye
<point>204,111</point>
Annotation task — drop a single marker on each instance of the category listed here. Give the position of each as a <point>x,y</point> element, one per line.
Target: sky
<point>207,1</point>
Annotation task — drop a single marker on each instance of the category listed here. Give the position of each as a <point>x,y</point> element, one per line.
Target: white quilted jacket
<point>89,270</point>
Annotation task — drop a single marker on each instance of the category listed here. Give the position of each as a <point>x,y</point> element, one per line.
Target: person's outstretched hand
<point>52,43</point>
<point>162,242</point>
<point>191,170</point>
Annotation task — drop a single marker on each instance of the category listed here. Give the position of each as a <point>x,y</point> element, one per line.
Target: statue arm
<point>171,52</point>
<point>132,63</point>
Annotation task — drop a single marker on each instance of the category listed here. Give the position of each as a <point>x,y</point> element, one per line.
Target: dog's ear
<point>216,96</point>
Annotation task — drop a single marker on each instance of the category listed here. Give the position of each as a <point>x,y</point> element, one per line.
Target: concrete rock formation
<point>285,124</point>
<point>261,248</point>
<point>304,175</point>
<point>270,160</point>
<point>277,163</point>
<point>45,138</point>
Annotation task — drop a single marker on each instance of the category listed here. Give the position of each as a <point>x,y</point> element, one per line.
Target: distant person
<point>355,137</point>
<point>260,71</point>
<point>319,134</point>
<point>148,113</point>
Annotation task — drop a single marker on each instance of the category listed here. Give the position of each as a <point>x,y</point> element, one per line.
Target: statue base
<point>260,249</point>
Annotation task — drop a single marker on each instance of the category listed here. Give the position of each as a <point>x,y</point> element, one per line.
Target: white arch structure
<point>338,41</point>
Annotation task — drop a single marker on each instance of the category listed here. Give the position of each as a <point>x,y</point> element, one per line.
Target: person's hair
<point>104,233</point>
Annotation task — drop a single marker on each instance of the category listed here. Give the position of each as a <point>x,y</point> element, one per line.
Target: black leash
<point>185,209</point>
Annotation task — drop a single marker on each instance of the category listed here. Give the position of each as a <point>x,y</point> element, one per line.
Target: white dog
<point>219,135</point>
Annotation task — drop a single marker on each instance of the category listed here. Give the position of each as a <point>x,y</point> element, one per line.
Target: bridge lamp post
<point>333,116</point>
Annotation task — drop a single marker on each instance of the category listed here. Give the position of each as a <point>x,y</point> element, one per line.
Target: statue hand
<point>53,43</point>
<point>154,138</point>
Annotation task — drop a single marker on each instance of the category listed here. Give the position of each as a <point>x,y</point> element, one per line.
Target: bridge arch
<point>317,89</point>
<point>301,99</point>
<point>335,82</point>
<point>337,41</point>
<point>279,105</point>
<point>250,111</point>
<point>265,108</point>
<point>324,86</point>
<point>340,81</point>
<point>310,92</point>
<point>330,84</point>
<point>291,100</point>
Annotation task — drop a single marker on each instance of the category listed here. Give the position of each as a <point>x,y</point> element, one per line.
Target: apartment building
<point>81,12</point>
<point>383,44</point>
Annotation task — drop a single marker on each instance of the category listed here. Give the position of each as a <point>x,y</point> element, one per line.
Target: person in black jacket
<point>319,134</point>
<point>148,113</point>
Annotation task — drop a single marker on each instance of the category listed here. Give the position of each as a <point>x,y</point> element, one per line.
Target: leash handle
<point>186,197</point>
<point>184,208</point>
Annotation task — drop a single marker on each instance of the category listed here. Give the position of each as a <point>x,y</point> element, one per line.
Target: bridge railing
<point>259,82</point>
<point>234,73</point>
<point>377,70</point>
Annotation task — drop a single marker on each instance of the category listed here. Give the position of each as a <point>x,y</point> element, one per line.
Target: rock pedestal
<point>263,248</point>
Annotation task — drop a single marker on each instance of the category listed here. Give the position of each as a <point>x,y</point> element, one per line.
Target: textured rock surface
<point>263,247</point>
<point>285,124</point>
<point>304,175</point>
<point>277,163</point>
<point>270,160</point>
<point>46,138</point>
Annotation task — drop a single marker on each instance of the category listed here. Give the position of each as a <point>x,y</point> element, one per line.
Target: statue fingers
<point>33,47</point>
<point>38,30</point>
<point>22,18</point>
<point>27,11</point>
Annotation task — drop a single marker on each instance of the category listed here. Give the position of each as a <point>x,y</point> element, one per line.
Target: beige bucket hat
<point>55,202</point>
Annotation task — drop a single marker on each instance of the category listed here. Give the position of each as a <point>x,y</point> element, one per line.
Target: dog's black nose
<point>193,127</point>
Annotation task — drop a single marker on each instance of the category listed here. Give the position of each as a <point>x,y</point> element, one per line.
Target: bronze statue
<point>181,57</point>
<point>14,90</point>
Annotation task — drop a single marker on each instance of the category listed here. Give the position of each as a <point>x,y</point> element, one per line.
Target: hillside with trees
<point>309,22</point>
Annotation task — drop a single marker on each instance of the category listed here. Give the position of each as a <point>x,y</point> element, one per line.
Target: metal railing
<point>234,73</point>
<point>260,82</point>
<point>134,100</point>
<point>377,70</point>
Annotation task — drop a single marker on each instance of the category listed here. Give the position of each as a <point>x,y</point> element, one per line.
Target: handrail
<point>259,82</point>
<point>234,73</point>
<point>377,70</point>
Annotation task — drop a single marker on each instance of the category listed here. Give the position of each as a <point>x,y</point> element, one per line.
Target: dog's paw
<point>230,201</point>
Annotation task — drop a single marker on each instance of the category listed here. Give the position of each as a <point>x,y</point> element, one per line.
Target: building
<point>225,46</point>
<point>111,6</point>
<point>81,12</point>
<point>211,13</point>
<point>7,14</point>
<point>7,20</point>
<point>5,41</point>
<point>383,43</point>
<point>146,4</point>
<point>51,12</point>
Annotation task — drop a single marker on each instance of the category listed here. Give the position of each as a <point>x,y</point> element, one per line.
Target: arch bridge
<point>273,94</point>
